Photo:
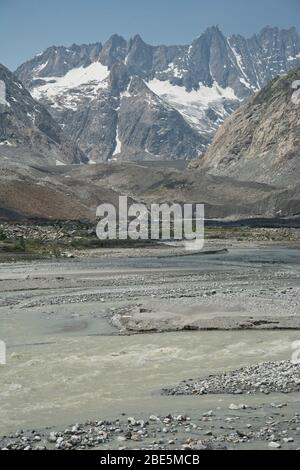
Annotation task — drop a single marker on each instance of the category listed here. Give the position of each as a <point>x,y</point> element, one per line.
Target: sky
<point>27,27</point>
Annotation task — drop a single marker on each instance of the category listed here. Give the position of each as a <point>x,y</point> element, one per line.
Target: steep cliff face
<point>28,133</point>
<point>261,141</point>
<point>84,87</point>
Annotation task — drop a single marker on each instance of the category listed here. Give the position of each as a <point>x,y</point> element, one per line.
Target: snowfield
<point>193,105</point>
<point>89,79</point>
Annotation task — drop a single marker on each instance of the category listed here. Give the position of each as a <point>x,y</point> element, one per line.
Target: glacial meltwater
<point>63,369</point>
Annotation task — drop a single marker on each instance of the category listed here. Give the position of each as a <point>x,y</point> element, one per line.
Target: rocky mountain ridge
<point>261,141</point>
<point>28,133</point>
<point>95,91</point>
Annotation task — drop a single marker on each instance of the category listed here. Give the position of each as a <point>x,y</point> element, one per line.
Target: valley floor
<point>75,351</point>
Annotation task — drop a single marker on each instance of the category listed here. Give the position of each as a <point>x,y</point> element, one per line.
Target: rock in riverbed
<point>265,378</point>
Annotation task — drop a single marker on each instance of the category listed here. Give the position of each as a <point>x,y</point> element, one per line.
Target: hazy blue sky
<point>29,26</point>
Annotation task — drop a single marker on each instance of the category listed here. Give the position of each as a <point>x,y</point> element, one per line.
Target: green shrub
<point>2,235</point>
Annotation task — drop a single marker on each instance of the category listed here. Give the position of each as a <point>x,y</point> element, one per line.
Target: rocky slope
<point>96,91</point>
<point>35,192</point>
<point>28,133</point>
<point>69,193</point>
<point>261,141</point>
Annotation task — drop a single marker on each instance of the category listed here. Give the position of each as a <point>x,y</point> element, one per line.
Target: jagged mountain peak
<point>204,81</point>
<point>139,58</point>
<point>137,39</point>
<point>56,61</point>
<point>117,39</point>
<point>275,31</point>
<point>213,31</point>
<point>114,50</point>
<point>190,62</point>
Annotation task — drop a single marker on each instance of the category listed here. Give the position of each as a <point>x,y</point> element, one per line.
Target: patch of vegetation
<point>13,246</point>
<point>226,232</point>
<point>92,243</point>
<point>29,247</point>
<point>2,235</point>
<point>39,249</point>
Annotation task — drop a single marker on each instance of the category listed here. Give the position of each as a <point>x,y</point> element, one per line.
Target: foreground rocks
<point>244,427</point>
<point>154,432</point>
<point>283,377</point>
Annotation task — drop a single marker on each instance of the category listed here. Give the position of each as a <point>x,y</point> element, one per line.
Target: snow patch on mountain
<point>59,163</point>
<point>175,70</point>
<point>87,79</point>
<point>296,57</point>
<point>40,67</point>
<point>7,142</point>
<point>3,101</point>
<point>194,104</point>
<point>118,147</point>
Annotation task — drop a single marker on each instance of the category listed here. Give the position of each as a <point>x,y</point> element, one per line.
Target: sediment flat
<point>78,331</point>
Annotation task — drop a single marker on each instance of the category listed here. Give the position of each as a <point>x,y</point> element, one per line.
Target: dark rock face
<point>261,141</point>
<point>26,126</point>
<point>270,53</point>
<point>83,87</point>
<point>150,129</point>
<point>94,126</point>
<point>139,58</point>
<point>114,50</point>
